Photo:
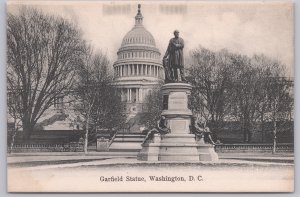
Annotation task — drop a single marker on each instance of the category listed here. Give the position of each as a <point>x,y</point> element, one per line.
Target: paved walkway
<point>100,158</point>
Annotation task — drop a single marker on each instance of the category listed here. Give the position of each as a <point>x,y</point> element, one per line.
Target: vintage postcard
<point>150,96</point>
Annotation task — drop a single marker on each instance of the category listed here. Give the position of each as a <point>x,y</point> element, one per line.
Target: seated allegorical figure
<point>201,131</point>
<point>161,128</point>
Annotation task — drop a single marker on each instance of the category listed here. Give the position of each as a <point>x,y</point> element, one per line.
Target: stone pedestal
<point>102,144</point>
<point>180,144</point>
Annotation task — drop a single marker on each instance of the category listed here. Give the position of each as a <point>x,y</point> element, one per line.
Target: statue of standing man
<point>173,60</point>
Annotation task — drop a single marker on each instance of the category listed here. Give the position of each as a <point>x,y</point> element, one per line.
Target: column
<point>160,73</point>
<point>137,94</point>
<point>132,69</point>
<point>153,70</point>
<point>141,94</point>
<point>149,71</point>
<point>138,69</point>
<point>142,69</point>
<point>129,95</point>
<point>130,65</point>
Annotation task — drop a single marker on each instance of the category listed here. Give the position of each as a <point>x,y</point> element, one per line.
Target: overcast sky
<point>241,27</point>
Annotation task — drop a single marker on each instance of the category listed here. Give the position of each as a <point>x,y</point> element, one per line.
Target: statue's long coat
<point>175,53</point>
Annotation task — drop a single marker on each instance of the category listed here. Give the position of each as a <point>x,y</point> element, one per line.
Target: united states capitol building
<point>138,68</point>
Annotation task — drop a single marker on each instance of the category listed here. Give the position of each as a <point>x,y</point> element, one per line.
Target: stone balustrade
<point>221,148</point>
<point>240,148</point>
<point>70,147</point>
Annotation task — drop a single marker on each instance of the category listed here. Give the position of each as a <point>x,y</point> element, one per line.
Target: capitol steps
<point>130,142</point>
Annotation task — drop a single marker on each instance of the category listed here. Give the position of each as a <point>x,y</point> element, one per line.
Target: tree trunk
<point>86,135</point>
<point>248,135</point>
<point>244,131</point>
<point>12,142</point>
<point>274,137</point>
<point>27,129</point>
<point>262,129</point>
<point>263,134</point>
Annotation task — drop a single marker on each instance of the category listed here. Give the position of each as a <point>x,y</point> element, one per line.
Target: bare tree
<point>280,104</point>
<point>268,70</point>
<point>13,103</point>
<point>275,102</point>
<point>42,53</point>
<point>210,76</point>
<point>244,94</point>
<point>236,87</point>
<point>97,100</point>
<point>154,107</point>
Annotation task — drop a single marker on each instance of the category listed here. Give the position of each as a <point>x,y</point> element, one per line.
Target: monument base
<point>177,148</point>
<point>179,144</point>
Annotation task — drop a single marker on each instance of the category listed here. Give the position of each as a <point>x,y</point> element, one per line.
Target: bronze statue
<point>173,60</point>
<point>161,128</point>
<point>201,131</point>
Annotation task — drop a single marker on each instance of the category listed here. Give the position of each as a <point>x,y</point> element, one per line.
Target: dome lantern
<point>139,17</point>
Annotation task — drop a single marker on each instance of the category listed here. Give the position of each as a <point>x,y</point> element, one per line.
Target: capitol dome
<point>138,35</point>
<point>139,66</point>
<point>138,43</point>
